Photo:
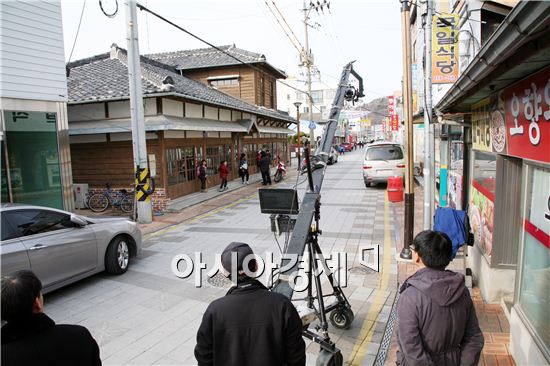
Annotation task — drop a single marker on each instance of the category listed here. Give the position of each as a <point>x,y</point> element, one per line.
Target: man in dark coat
<point>265,164</point>
<point>30,337</point>
<point>436,319</point>
<point>250,325</point>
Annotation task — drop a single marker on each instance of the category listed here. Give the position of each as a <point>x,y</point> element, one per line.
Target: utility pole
<point>308,64</point>
<point>428,134</point>
<point>408,113</point>
<point>144,211</point>
<point>298,104</point>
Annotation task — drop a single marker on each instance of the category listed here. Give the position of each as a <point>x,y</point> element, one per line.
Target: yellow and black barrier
<point>145,185</point>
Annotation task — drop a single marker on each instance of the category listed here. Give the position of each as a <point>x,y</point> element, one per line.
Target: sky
<point>368,31</point>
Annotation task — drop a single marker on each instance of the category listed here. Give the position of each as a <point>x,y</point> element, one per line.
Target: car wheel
<point>330,161</point>
<point>368,184</point>
<point>117,256</point>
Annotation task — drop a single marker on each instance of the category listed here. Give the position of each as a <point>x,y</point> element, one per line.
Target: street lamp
<point>298,104</point>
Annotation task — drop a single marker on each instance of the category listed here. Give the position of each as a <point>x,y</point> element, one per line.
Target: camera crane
<point>305,232</point>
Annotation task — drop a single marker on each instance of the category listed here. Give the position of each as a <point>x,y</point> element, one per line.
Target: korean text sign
<point>445,49</point>
<point>527,105</point>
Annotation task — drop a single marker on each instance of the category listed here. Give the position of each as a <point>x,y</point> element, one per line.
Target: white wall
<point>495,284</point>
<point>523,348</point>
<point>31,43</point>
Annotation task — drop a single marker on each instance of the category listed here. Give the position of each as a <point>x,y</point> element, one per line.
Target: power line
<point>282,16</point>
<point>284,30</point>
<point>141,7</point>
<point>77,31</point>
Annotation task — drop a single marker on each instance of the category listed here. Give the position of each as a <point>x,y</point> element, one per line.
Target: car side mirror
<point>77,220</point>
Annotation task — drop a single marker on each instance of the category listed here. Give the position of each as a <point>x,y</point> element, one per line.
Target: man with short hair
<point>30,337</point>
<point>436,319</point>
<point>249,325</point>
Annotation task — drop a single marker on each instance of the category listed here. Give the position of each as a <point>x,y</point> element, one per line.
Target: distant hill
<point>378,108</point>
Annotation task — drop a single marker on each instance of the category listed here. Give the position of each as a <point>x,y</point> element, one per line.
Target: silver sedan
<point>62,247</point>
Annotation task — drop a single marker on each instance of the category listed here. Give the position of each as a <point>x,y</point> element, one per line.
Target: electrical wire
<point>284,19</point>
<point>283,28</point>
<point>113,14</point>
<point>77,30</point>
<point>143,8</point>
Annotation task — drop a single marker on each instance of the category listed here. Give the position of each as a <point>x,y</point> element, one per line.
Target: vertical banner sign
<point>527,105</point>
<point>445,49</point>
<point>394,122</point>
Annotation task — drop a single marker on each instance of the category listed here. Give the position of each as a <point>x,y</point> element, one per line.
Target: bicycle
<point>100,201</point>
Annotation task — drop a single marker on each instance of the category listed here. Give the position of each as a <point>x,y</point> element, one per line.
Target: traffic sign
<point>312,125</point>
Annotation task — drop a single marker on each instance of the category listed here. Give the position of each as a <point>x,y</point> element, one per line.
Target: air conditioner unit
<point>80,195</point>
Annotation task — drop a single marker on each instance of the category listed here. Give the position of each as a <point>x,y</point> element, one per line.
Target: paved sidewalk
<point>492,320</point>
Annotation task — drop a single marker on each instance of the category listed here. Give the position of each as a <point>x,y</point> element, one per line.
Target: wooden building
<point>254,82</point>
<point>186,121</point>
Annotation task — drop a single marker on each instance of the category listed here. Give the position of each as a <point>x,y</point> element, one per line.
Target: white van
<point>383,160</point>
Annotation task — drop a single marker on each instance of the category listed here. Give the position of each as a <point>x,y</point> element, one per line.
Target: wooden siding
<point>33,59</point>
<point>248,88</point>
<point>109,162</point>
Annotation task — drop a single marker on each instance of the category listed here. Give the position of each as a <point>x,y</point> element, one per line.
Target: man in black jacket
<point>30,337</point>
<point>265,164</point>
<point>250,325</point>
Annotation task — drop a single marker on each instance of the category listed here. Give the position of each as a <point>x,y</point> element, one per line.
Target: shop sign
<point>394,122</point>
<point>445,49</point>
<point>527,106</point>
<point>488,125</point>
<point>481,214</point>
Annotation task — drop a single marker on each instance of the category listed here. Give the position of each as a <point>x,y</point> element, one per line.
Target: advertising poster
<point>455,190</point>
<point>481,213</point>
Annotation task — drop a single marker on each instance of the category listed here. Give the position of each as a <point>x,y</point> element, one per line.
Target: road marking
<point>379,298</point>
<point>199,217</point>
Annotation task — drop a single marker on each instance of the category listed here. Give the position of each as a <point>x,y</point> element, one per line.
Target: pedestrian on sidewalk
<point>243,168</point>
<point>224,173</point>
<point>30,337</point>
<point>265,165</point>
<point>436,318</point>
<point>250,325</point>
<point>202,175</point>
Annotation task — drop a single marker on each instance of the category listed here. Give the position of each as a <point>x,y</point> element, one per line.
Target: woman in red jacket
<point>224,172</point>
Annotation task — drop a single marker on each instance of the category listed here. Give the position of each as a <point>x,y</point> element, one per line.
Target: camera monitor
<point>279,201</point>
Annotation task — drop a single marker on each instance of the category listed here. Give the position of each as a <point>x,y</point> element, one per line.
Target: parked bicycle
<point>100,201</point>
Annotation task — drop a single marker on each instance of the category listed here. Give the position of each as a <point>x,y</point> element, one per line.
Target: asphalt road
<point>150,316</point>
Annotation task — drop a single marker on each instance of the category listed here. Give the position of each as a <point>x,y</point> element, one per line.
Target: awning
<point>159,123</point>
<point>268,129</point>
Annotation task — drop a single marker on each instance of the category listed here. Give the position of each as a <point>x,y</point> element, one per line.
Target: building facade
<point>503,96</point>
<point>186,121</point>
<point>34,131</point>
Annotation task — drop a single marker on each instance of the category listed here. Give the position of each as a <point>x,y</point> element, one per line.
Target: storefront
<point>509,209</point>
<point>32,156</point>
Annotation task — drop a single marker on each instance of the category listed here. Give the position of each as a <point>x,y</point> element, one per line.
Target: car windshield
<point>390,152</point>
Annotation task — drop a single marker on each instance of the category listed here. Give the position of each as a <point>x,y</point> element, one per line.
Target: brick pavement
<point>492,320</point>
<point>149,316</point>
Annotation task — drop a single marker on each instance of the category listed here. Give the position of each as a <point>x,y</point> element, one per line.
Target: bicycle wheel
<point>98,202</point>
<point>127,204</point>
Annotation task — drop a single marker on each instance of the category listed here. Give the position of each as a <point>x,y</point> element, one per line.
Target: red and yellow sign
<point>445,49</point>
<point>527,108</point>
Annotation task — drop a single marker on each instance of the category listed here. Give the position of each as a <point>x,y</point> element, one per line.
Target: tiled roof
<point>105,77</point>
<point>210,57</point>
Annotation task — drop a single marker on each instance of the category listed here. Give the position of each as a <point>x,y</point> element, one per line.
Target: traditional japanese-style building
<point>186,121</point>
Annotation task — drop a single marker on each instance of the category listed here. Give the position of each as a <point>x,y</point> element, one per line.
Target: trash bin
<point>395,189</point>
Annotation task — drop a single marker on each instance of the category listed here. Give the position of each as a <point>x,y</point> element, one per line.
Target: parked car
<point>62,247</point>
<point>348,146</point>
<point>333,157</point>
<point>382,161</point>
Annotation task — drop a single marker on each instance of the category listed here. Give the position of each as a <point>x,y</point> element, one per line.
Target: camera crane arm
<point>311,201</point>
